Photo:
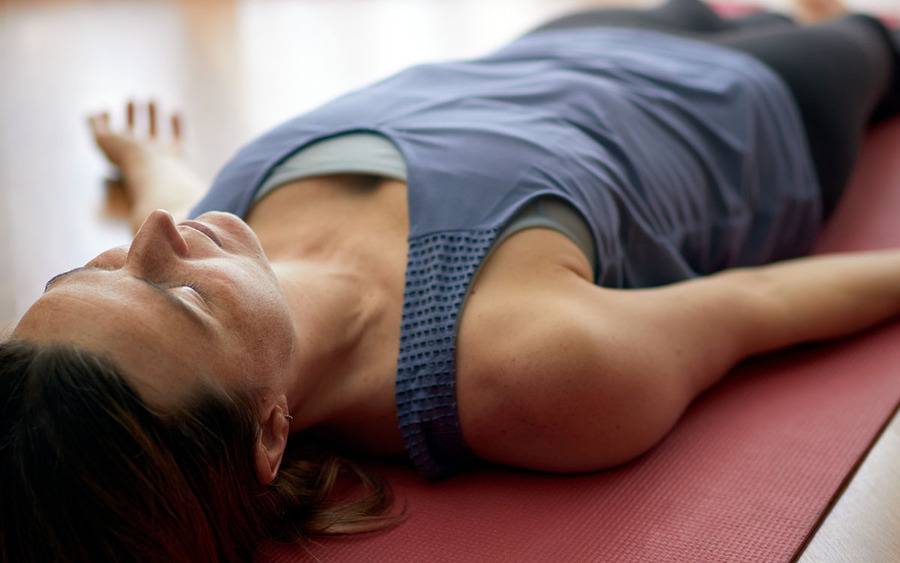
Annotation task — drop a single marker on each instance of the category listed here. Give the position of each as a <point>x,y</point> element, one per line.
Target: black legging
<point>844,73</point>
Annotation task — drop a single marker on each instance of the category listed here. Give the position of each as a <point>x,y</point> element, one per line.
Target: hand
<point>153,173</point>
<point>123,148</point>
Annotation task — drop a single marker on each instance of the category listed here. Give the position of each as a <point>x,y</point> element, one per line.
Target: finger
<point>99,122</point>
<point>151,113</point>
<point>176,126</point>
<point>130,115</point>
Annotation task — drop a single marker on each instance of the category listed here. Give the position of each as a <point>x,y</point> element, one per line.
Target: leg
<point>839,73</point>
<point>690,18</point>
<point>761,19</point>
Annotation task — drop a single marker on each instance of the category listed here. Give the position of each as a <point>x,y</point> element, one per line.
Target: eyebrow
<point>59,277</point>
<point>178,303</point>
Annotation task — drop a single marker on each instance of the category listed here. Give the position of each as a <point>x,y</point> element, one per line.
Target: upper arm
<point>693,331</point>
<point>600,375</point>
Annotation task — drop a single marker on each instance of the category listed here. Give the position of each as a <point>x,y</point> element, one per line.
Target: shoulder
<point>535,380</point>
<point>538,388</point>
<point>561,375</point>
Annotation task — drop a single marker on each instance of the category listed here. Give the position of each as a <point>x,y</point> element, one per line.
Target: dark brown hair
<point>90,472</point>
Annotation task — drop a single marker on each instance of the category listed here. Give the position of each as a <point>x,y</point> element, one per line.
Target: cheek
<point>243,240</point>
<point>260,319</point>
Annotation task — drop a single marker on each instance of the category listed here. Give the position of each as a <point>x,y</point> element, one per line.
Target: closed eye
<point>192,285</point>
<point>194,292</point>
<point>165,292</point>
<point>197,295</point>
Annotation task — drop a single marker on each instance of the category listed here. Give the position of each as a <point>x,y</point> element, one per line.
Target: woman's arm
<point>154,173</point>
<point>823,296</point>
<point>706,325</point>
<point>593,377</point>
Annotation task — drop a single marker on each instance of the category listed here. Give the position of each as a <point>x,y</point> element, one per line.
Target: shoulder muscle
<point>580,377</point>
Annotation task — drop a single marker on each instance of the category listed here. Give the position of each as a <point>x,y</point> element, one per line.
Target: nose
<point>156,243</point>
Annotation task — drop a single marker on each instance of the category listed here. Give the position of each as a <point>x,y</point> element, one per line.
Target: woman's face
<point>182,303</point>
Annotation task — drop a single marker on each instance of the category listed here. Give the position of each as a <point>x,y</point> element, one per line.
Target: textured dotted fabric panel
<point>744,476</point>
<point>440,267</point>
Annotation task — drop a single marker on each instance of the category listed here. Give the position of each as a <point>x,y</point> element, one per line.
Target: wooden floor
<point>236,68</point>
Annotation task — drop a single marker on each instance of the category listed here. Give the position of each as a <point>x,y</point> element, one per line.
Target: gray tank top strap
<point>553,213</point>
<point>360,153</point>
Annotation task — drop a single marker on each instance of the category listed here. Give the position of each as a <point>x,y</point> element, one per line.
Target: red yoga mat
<point>745,475</point>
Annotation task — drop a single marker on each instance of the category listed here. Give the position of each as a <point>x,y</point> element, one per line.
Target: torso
<point>371,212</point>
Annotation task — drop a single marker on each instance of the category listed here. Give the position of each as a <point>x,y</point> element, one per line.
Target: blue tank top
<point>683,157</point>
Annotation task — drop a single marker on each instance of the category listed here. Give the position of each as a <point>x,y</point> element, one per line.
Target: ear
<point>272,440</point>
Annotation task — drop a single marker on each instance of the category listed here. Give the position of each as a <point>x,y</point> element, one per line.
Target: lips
<point>198,226</point>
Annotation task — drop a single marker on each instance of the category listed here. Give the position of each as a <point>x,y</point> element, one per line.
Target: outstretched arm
<point>154,173</point>
<point>593,377</point>
<point>698,329</point>
<point>812,298</point>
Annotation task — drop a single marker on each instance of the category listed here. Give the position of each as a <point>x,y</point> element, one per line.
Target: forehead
<point>162,355</point>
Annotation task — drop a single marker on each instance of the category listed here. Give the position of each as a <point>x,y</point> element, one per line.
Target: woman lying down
<point>537,258</point>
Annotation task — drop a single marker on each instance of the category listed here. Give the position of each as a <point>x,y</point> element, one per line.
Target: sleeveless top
<point>683,157</point>
<point>366,153</point>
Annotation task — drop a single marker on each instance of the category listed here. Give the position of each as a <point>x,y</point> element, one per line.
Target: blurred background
<point>234,67</point>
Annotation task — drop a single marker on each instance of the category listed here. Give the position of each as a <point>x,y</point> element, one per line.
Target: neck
<point>336,313</point>
<point>337,245</point>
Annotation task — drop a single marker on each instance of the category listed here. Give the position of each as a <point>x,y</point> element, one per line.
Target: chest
<point>373,219</point>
